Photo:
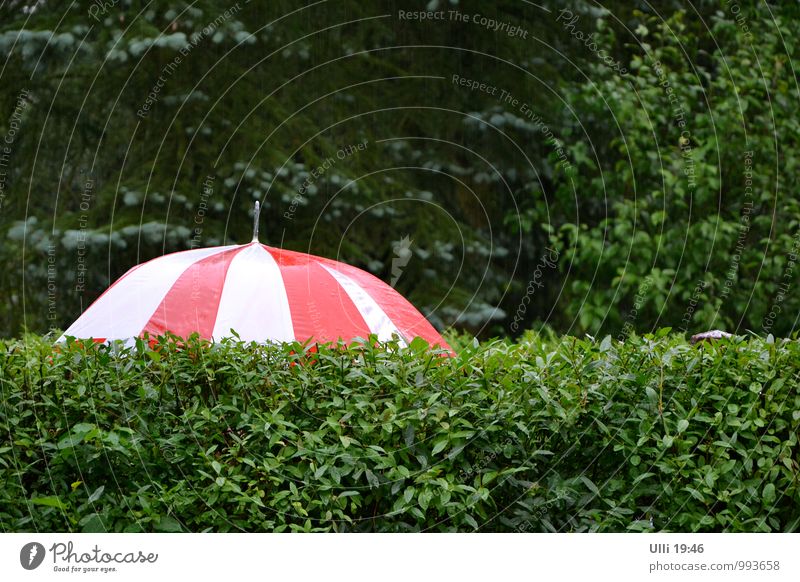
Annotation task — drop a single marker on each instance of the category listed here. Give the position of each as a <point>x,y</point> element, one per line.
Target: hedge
<point>543,435</point>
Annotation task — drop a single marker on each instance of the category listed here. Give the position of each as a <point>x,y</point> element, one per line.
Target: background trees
<point>652,152</point>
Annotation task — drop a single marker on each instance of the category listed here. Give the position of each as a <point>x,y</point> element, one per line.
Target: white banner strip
<point>387,557</point>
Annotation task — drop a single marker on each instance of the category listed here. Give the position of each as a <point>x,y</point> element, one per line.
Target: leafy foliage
<point>168,147</point>
<point>130,145</point>
<point>686,226</point>
<point>540,435</point>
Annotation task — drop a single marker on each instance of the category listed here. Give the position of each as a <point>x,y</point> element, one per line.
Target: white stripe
<point>126,308</point>
<point>254,302</point>
<point>375,317</point>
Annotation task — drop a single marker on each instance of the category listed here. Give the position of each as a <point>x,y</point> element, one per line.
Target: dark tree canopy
<point>599,169</point>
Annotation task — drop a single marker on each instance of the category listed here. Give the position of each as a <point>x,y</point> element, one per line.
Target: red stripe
<point>192,303</point>
<point>128,272</point>
<point>403,314</point>
<point>321,310</point>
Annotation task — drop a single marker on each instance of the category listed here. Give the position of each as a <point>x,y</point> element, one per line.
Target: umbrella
<point>262,293</point>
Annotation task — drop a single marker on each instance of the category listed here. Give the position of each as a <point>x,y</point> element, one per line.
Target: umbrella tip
<point>256,212</point>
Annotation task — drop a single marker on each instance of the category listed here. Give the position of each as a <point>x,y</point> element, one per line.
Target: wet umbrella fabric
<point>263,293</point>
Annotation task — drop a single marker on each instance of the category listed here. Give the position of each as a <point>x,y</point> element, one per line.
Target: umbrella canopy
<point>262,293</point>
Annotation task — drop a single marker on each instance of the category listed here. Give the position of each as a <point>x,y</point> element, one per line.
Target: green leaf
<point>425,498</point>
<point>488,477</point>
<point>696,494</point>
<point>92,523</point>
<point>51,501</point>
<point>408,435</point>
<point>418,345</point>
<point>439,446</point>
<point>591,486</point>
<point>372,479</point>
<point>433,398</point>
<point>768,494</point>
<point>97,494</point>
<point>642,477</point>
<point>168,524</point>
<point>683,424</point>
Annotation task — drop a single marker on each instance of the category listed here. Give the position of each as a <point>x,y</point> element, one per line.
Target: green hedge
<point>541,435</point>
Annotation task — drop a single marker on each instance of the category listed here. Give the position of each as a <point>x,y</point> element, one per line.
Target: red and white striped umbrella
<point>262,293</point>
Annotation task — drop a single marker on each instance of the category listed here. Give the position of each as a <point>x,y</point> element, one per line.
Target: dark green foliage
<point>682,223</point>
<point>573,435</point>
<point>475,184</point>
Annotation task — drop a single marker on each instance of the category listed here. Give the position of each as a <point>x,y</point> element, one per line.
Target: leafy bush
<point>666,189</point>
<point>541,435</point>
<point>680,225</point>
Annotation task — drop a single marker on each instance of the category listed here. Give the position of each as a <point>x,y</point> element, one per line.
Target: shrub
<point>539,435</point>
